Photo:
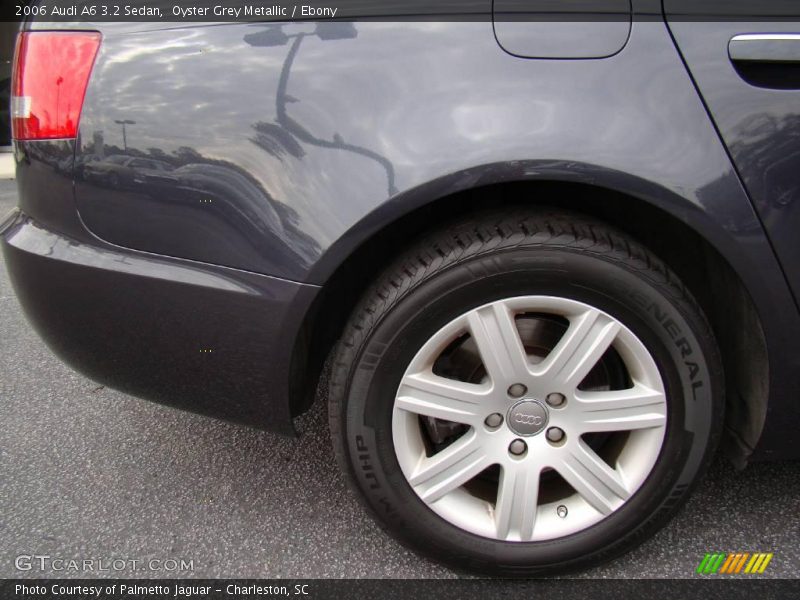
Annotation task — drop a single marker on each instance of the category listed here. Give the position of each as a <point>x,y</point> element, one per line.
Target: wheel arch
<point>675,228</point>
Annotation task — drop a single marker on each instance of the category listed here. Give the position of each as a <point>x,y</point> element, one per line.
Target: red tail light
<point>51,71</point>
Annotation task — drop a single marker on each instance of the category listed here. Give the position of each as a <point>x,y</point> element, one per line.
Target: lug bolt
<point>494,420</point>
<point>555,434</point>
<point>517,447</point>
<point>561,511</point>
<point>517,390</point>
<point>555,399</point>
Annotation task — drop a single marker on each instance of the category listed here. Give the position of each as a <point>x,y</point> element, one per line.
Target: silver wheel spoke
<point>517,502</point>
<point>448,399</point>
<point>586,340</point>
<point>621,410</point>
<point>594,480</point>
<point>496,335</point>
<point>449,469</point>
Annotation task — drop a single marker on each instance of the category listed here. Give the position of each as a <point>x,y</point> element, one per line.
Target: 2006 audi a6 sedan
<point>552,265</point>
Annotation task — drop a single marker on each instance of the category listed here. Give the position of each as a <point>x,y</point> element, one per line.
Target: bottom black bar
<point>312,589</point>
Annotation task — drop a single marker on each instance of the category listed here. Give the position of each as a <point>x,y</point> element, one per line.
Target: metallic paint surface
<point>284,148</point>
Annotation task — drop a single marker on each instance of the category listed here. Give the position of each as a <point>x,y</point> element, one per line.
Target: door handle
<point>765,47</point>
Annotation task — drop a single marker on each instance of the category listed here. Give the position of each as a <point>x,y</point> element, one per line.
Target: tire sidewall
<point>671,330</point>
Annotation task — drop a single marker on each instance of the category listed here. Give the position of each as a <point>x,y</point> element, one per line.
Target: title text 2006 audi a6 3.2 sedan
<point>552,266</point>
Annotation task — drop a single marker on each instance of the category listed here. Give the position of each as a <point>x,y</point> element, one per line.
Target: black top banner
<point>176,11</point>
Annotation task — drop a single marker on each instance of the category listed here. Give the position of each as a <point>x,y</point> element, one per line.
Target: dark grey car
<point>550,263</point>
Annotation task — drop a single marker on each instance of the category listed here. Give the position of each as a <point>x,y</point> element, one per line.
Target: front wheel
<point>522,394</point>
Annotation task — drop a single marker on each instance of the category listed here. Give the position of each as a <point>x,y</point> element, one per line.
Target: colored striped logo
<point>734,563</point>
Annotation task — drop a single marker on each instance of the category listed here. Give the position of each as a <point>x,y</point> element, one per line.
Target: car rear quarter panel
<point>319,141</point>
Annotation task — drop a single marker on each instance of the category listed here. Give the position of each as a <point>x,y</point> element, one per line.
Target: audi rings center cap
<point>527,417</point>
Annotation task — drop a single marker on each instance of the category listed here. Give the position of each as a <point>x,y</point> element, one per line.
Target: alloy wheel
<point>529,418</point>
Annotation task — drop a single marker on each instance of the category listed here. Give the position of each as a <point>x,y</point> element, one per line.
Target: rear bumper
<point>207,339</point>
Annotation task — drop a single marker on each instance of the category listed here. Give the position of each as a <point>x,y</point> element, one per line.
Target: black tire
<point>489,257</point>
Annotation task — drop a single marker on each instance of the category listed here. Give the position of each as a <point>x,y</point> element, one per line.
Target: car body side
<point>207,293</point>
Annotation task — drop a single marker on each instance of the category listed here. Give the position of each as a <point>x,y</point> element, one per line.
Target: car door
<point>744,56</point>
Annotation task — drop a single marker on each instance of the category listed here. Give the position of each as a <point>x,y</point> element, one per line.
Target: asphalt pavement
<point>90,473</point>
